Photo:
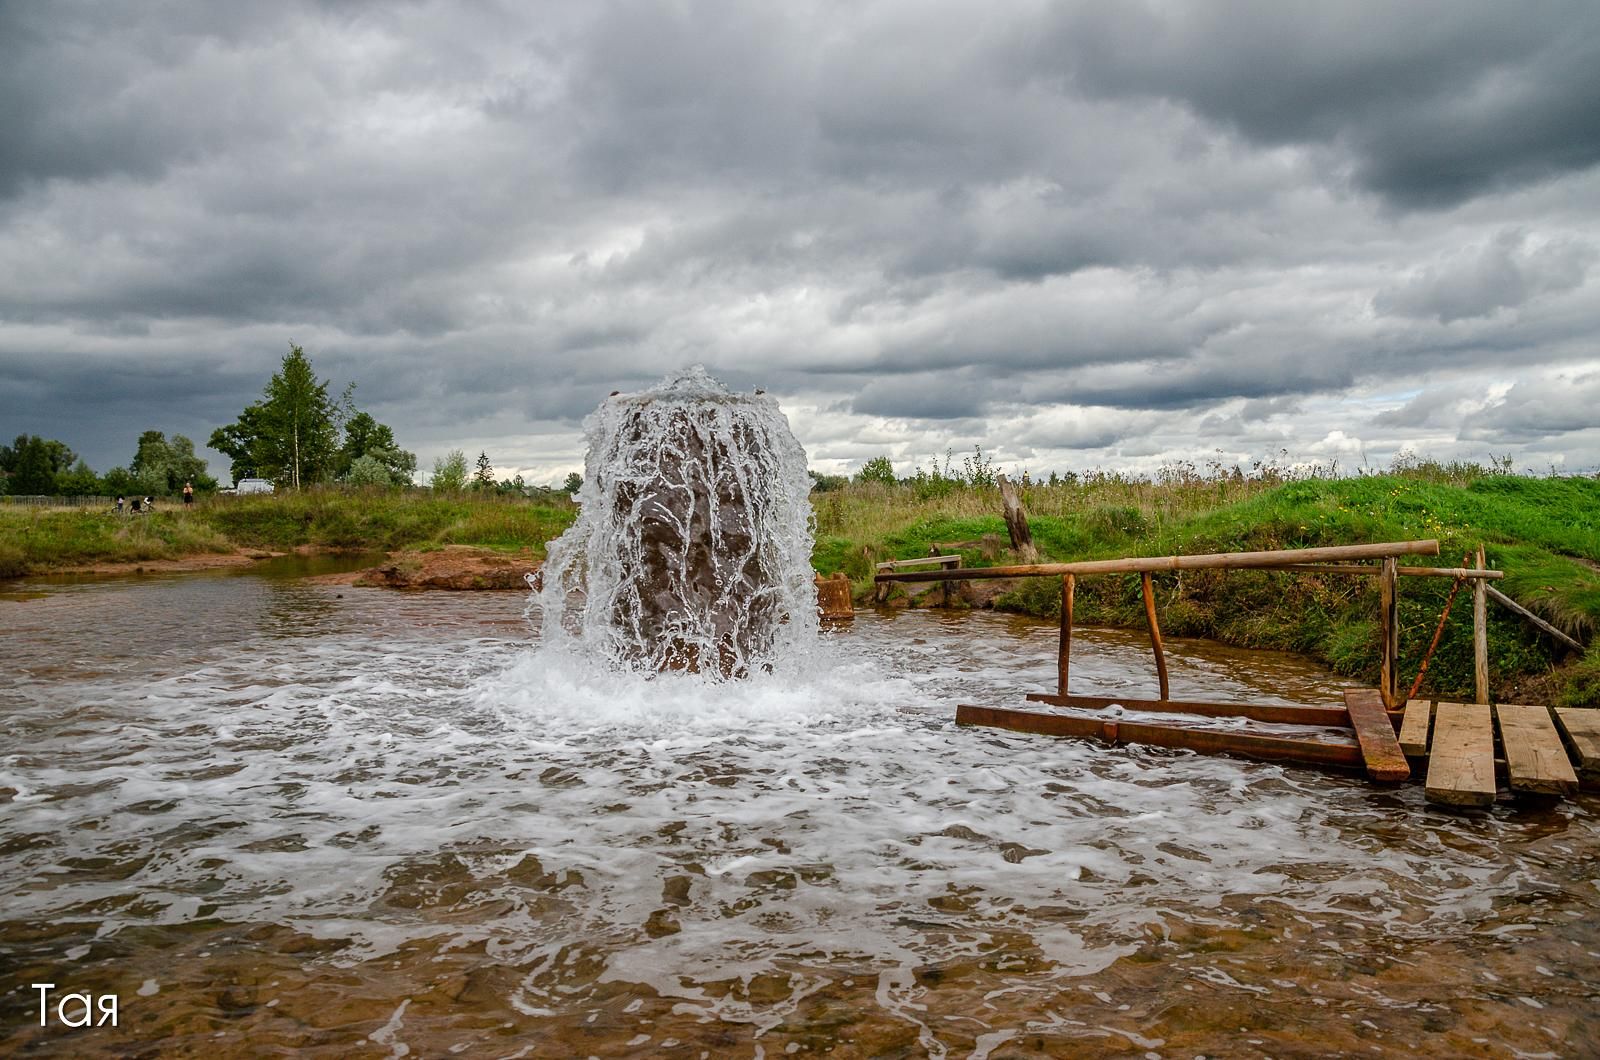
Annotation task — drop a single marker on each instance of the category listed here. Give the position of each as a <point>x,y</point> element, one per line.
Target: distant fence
<point>37,501</point>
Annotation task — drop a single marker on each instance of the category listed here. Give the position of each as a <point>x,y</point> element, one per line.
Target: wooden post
<point>1480,633</point>
<point>1155,631</point>
<point>1064,652</point>
<point>1388,676</point>
<point>1016,521</point>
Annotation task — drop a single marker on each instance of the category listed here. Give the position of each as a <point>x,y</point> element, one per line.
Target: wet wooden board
<point>1535,759</point>
<point>1333,717</point>
<point>1461,759</point>
<point>1329,753</point>
<point>1414,730</point>
<point>1581,727</point>
<point>1375,733</point>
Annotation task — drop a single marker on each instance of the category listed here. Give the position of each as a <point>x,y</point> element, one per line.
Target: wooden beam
<point>1501,598</point>
<point>1375,733</point>
<point>1389,617</point>
<point>1535,759</point>
<point>920,561</point>
<point>1414,729</point>
<point>1580,727</point>
<point>1206,561</point>
<point>1308,752</point>
<point>1372,570</point>
<point>1064,649</point>
<point>1480,635</point>
<point>1148,589</point>
<point>1286,713</point>
<point>1461,759</point>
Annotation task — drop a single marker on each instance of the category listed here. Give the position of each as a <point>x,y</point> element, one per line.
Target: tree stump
<point>1016,521</point>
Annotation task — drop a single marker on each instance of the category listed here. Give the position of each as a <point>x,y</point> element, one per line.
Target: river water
<point>281,817</point>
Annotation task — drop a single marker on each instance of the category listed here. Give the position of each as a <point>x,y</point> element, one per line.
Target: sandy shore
<point>454,567</point>
<point>196,562</point>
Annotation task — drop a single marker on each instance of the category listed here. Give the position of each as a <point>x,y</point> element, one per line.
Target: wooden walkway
<point>1463,750</point>
<point>1467,754</point>
<point>1466,748</point>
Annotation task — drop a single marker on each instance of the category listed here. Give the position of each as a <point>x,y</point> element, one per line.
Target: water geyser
<point>692,549</point>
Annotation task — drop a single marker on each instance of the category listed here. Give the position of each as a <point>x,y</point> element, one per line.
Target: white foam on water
<point>829,815</point>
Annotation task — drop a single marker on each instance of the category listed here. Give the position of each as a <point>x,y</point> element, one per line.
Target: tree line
<point>32,466</point>
<point>298,434</point>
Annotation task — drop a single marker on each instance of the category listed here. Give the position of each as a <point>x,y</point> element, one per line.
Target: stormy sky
<point>1080,235</point>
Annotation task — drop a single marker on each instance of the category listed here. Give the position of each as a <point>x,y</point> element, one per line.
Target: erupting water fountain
<point>693,547</point>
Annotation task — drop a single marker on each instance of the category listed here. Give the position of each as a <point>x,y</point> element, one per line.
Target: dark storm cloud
<point>934,396</point>
<point>1428,103</point>
<point>919,224</point>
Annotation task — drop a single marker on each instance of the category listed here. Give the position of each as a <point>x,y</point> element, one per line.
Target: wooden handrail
<point>1207,561</point>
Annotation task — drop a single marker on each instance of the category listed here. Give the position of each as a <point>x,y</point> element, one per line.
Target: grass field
<point>1544,532</point>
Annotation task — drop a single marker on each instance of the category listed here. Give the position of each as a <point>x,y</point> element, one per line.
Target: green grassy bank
<point>36,540</point>
<point>1544,532</point>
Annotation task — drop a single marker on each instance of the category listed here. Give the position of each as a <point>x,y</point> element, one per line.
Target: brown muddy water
<point>279,818</point>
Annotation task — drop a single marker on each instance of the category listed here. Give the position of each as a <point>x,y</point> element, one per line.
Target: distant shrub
<point>367,470</point>
<point>879,470</point>
<point>450,472</point>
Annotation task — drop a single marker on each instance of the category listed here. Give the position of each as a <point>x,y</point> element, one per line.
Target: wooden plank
<point>1155,632</point>
<point>1505,601</point>
<point>1414,729</point>
<point>1206,561</point>
<point>1064,649</point>
<point>1461,758</point>
<point>1332,754</point>
<point>1535,759</point>
<point>1284,713</point>
<point>1580,726</point>
<point>1480,635</point>
<point>1375,734</point>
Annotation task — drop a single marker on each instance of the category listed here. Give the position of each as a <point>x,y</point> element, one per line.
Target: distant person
<point>188,493</point>
<point>119,504</point>
<point>149,504</point>
<point>136,506</point>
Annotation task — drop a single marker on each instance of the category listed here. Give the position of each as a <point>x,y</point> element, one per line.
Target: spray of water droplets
<point>693,547</point>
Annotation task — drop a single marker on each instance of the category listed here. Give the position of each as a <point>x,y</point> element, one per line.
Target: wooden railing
<point>1326,560</point>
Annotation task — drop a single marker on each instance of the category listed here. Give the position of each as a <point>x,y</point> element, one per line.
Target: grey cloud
<point>931,396</point>
<point>1437,406</point>
<point>953,220</point>
<point>1504,273</point>
<point>1534,409</point>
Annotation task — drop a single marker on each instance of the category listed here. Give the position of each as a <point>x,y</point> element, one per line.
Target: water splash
<point>693,547</point>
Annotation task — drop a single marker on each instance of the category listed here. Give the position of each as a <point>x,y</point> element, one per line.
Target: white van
<point>252,485</point>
